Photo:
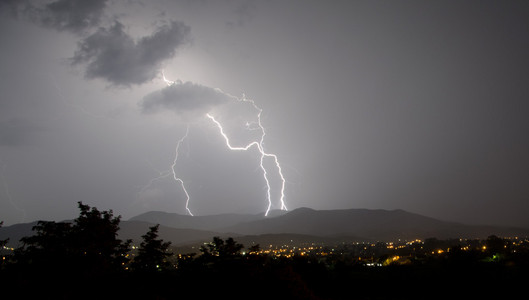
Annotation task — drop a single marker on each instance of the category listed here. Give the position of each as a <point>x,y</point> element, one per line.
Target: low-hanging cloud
<point>184,99</point>
<point>113,55</point>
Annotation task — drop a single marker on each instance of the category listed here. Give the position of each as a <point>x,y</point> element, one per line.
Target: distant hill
<point>178,236</point>
<point>15,232</point>
<point>210,222</point>
<point>302,225</point>
<point>368,224</point>
<point>128,230</point>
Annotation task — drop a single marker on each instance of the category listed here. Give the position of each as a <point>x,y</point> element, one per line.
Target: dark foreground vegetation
<point>85,260</point>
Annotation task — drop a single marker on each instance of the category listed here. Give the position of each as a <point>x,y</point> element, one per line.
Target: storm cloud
<point>75,16</point>
<point>72,15</point>
<point>13,7</point>
<point>184,99</point>
<point>113,55</point>
<point>106,49</point>
<point>380,105</point>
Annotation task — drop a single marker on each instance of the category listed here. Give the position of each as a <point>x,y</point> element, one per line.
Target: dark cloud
<point>12,7</point>
<point>63,15</point>
<point>109,53</point>
<point>184,98</point>
<point>113,55</point>
<point>72,15</point>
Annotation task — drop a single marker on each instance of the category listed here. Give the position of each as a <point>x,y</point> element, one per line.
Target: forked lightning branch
<point>257,144</point>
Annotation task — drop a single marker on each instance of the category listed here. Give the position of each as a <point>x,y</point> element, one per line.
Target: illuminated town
<point>381,254</point>
<point>299,270</point>
<point>373,253</point>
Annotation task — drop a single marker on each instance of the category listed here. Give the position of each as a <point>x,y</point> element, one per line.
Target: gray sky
<point>414,105</point>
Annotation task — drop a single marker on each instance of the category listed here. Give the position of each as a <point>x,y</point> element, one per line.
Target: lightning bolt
<point>263,154</point>
<point>260,147</point>
<point>176,178</point>
<point>172,172</point>
<point>259,144</point>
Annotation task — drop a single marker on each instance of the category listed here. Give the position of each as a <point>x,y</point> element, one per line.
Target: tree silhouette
<point>222,249</point>
<point>51,245</point>
<point>2,245</point>
<point>95,239</point>
<point>255,249</point>
<point>89,244</point>
<point>495,244</point>
<point>152,253</point>
<point>3,242</point>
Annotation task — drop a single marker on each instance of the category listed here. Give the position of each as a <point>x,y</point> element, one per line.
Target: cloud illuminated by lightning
<point>258,144</point>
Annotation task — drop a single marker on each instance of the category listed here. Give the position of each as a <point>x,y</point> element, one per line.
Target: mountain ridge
<point>363,223</point>
<point>206,222</point>
<point>355,224</point>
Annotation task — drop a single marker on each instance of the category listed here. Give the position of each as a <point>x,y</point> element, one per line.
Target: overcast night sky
<point>414,105</point>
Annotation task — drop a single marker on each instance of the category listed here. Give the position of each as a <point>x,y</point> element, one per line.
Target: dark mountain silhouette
<point>128,230</point>
<point>368,224</point>
<point>300,225</point>
<point>365,224</point>
<point>177,236</point>
<point>15,232</point>
<point>210,222</point>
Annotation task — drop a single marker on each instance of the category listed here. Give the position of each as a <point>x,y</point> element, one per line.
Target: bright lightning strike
<point>260,148</point>
<point>263,154</point>
<point>256,143</point>
<point>165,174</point>
<point>169,82</point>
<point>176,178</point>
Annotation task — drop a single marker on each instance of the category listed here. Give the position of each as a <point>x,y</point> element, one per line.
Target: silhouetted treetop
<point>95,234</point>
<point>50,242</point>
<point>152,253</point>
<point>90,243</point>
<point>3,242</point>
<point>221,248</point>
